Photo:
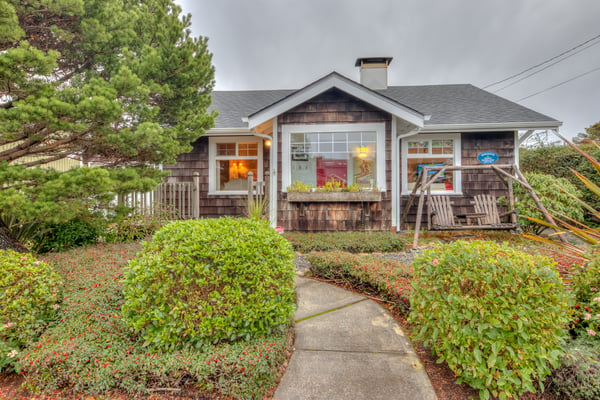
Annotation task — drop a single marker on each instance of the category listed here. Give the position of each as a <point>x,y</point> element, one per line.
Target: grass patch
<point>389,279</point>
<point>352,242</point>
<point>90,350</point>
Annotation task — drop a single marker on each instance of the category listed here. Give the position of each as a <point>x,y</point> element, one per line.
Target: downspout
<point>397,202</point>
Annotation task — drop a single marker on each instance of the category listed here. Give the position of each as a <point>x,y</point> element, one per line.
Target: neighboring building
<point>360,133</point>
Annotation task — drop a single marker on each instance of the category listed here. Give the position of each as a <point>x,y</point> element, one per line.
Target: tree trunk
<point>7,240</point>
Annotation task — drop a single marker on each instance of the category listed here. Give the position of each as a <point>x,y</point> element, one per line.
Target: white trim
<point>344,84</point>
<point>517,144</point>
<point>287,130</point>
<point>273,176</point>
<point>457,160</point>
<point>229,131</point>
<point>507,126</point>
<point>395,170</point>
<point>212,159</point>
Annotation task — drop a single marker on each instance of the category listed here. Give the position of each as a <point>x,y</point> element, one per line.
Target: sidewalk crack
<point>328,311</point>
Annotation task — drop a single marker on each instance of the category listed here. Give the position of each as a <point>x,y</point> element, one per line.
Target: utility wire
<point>544,62</point>
<point>560,84</point>
<point>546,67</point>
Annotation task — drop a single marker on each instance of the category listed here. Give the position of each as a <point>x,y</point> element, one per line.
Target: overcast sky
<point>283,44</point>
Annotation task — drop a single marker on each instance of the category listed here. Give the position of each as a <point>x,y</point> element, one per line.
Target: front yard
<point>88,349</point>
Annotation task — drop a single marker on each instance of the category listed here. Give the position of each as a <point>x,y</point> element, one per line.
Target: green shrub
<point>496,315</point>
<point>352,242</point>
<point>558,161</point>
<point>136,226</point>
<point>74,233</point>
<point>208,281</point>
<point>578,377</point>
<point>389,278</point>
<point>548,188</point>
<point>29,296</point>
<point>586,289</point>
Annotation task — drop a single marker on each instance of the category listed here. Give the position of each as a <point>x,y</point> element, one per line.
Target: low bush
<point>352,242</point>
<point>388,278</point>
<point>29,296</point>
<point>93,351</point>
<point>496,315</point>
<point>586,289</point>
<point>209,281</point>
<point>556,194</point>
<point>136,226</point>
<point>578,377</point>
<point>74,233</point>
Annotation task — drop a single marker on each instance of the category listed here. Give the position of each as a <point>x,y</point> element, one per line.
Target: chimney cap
<point>373,60</point>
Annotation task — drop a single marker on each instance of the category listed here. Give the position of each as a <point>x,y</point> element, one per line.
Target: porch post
<point>395,192</point>
<point>273,176</point>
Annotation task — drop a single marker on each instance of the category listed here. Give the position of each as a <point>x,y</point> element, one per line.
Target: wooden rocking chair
<point>442,216</point>
<point>487,204</point>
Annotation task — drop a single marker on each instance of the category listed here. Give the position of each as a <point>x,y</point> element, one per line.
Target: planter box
<point>333,197</point>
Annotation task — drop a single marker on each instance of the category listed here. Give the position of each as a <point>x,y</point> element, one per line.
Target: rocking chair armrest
<point>504,214</point>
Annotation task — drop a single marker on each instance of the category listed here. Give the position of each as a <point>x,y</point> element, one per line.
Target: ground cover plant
<point>352,242</point>
<point>388,278</point>
<point>496,315</point>
<point>91,350</point>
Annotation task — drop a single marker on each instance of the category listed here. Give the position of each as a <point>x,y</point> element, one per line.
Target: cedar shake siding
<point>211,206</point>
<point>476,182</point>
<point>336,107</point>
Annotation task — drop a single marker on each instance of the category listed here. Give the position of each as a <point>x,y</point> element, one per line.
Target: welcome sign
<point>487,157</point>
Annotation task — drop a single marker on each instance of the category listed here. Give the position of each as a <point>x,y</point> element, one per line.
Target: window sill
<point>229,193</point>
<point>333,197</point>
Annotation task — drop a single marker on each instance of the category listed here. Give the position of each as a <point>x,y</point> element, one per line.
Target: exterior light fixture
<point>267,143</point>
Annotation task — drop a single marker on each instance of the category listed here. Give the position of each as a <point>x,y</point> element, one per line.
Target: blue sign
<point>487,157</point>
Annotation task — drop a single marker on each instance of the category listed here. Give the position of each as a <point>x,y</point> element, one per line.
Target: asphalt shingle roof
<point>446,104</point>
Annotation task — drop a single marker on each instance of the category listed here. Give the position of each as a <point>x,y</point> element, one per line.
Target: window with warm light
<point>231,159</point>
<point>350,154</point>
<point>435,150</point>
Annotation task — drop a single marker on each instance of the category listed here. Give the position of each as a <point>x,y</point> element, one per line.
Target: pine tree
<point>117,80</point>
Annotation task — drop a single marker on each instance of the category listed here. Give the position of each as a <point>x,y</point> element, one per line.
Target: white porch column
<point>273,176</point>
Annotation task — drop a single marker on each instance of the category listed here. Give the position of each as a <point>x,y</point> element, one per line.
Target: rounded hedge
<point>495,314</point>
<point>29,298</point>
<point>206,281</point>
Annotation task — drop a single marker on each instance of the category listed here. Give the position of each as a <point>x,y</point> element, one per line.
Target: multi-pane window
<point>231,159</point>
<point>432,150</point>
<point>346,157</point>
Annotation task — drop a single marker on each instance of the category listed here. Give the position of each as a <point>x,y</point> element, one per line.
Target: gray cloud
<point>270,44</point>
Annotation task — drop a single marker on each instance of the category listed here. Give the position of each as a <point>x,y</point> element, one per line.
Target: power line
<point>544,62</point>
<point>542,69</point>
<point>561,83</point>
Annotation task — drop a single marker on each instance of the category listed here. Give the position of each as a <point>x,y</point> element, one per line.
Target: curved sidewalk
<point>349,347</point>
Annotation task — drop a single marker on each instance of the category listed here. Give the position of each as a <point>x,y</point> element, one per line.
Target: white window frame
<point>456,137</point>
<point>287,130</point>
<point>213,158</point>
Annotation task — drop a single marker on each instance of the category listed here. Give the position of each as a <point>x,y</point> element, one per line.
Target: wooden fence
<point>182,198</point>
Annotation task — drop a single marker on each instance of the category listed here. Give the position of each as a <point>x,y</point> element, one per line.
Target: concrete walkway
<point>349,347</point>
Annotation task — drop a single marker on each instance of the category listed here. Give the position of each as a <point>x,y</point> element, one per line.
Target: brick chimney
<point>373,71</point>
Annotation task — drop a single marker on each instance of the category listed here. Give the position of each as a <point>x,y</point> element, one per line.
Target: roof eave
<point>335,80</point>
<point>482,127</point>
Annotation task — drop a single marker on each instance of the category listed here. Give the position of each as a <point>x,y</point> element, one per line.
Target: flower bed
<point>90,350</point>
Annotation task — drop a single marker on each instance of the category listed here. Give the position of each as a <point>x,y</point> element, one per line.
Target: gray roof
<point>446,104</point>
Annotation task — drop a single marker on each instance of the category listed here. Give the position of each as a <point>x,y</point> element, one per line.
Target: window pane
<point>442,146</point>
<point>342,156</point>
<point>418,147</point>
<point>247,149</point>
<point>225,149</point>
<point>233,174</point>
<point>443,183</point>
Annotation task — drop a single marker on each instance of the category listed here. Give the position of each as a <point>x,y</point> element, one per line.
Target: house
<point>364,133</point>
